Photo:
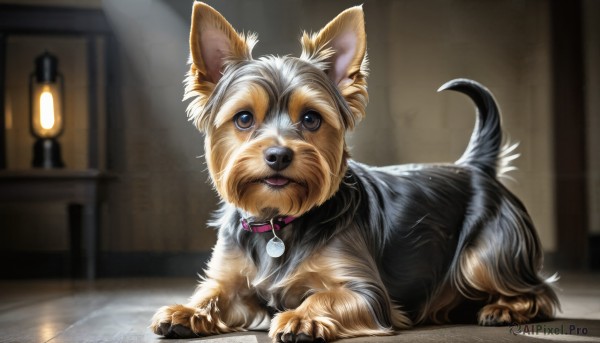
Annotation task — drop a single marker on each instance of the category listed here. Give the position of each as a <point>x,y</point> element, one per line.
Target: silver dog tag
<point>275,247</point>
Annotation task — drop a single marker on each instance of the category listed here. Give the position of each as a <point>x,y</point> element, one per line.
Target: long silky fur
<point>379,248</point>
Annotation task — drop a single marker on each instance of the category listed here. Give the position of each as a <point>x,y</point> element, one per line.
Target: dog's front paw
<point>173,322</point>
<point>179,321</point>
<point>292,326</point>
<point>499,315</point>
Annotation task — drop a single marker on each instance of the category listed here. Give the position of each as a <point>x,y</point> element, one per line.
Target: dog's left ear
<point>342,45</point>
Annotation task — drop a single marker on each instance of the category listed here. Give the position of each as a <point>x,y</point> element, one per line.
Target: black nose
<point>278,157</point>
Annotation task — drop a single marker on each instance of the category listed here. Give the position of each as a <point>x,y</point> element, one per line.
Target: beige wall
<point>162,199</point>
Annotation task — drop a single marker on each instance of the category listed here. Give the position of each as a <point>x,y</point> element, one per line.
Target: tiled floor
<point>120,311</point>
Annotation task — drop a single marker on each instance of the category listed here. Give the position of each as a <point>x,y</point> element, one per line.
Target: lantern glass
<point>47,116</point>
<point>45,97</point>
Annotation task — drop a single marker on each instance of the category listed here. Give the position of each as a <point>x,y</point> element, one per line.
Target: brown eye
<point>243,120</point>
<point>311,121</point>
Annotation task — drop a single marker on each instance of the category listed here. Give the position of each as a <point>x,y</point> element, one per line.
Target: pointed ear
<point>213,41</point>
<point>342,44</point>
<point>339,49</point>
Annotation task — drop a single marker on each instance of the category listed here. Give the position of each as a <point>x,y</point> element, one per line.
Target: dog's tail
<point>485,150</point>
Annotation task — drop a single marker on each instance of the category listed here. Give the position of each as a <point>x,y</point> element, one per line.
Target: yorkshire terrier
<point>314,246</point>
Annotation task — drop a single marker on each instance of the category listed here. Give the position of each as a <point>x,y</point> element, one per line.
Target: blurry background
<point>540,58</point>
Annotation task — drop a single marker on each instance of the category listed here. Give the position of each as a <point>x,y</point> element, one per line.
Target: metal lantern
<point>46,111</point>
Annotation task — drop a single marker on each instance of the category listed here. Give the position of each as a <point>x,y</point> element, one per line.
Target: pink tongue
<point>277,181</point>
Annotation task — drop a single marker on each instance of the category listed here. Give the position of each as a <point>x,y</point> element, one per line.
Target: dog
<point>314,246</point>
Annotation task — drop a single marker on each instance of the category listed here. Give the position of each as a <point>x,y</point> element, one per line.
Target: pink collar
<point>278,223</point>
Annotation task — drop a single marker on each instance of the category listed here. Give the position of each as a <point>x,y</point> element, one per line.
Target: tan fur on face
<point>242,180</point>
<point>238,168</point>
<point>235,157</point>
<point>309,98</point>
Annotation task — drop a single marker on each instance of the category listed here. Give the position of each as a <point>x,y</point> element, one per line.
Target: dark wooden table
<point>84,188</point>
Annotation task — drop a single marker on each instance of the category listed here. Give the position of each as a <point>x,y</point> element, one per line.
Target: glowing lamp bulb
<point>46,114</point>
<point>46,110</point>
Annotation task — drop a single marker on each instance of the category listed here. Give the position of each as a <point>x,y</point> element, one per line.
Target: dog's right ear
<point>213,43</point>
